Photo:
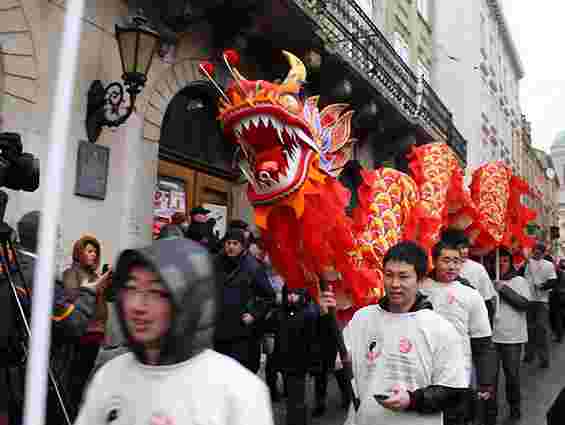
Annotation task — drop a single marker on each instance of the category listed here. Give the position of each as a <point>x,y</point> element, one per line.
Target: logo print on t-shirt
<point>405,345</point>
<point>372,354</point>
<point>161,420</point>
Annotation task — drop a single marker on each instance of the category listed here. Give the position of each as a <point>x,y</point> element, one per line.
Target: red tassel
<point>208,67</point>
<point>232,57</point>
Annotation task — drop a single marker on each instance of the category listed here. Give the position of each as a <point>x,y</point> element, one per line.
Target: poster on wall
<point>220,214</point>
<point>169,197</point>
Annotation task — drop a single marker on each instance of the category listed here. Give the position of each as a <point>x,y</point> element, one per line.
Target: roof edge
<point>496,8</point>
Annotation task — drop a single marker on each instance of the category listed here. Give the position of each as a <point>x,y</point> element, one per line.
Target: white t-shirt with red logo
<point>463,307</point>
<point>408,350</point>
<point>478,276</point>
<point>537,273</point>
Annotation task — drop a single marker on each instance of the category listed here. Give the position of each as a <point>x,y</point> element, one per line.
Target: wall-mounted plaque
<point>92,170</point>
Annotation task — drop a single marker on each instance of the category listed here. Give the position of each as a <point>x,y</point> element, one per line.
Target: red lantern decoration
<point>232,57</point>
<point>207,67</point>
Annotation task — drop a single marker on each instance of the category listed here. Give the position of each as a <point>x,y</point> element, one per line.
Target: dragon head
<point>279,132</point>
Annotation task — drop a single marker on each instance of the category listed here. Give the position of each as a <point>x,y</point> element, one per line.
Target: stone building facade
<point>478,76</point>
<point>29,43</point>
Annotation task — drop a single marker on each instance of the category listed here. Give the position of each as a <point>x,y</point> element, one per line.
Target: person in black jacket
<point>70,319</point>
<point>510,333</point>
<point>557,304</point>
<point>246,296</point>
<point>295,326</point>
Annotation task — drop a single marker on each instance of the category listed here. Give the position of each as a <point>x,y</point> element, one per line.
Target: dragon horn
<point>297,71</point>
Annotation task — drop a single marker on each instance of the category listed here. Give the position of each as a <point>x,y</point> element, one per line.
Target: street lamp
<point>138,44</point>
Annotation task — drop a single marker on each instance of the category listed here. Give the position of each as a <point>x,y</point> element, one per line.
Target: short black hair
<point>452,244</point>
<point>457,237</point>
<point>410,253</point>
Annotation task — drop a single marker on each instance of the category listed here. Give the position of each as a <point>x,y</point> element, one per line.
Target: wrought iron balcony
<point>350,34</point>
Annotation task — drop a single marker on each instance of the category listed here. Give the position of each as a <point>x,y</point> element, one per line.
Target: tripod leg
<point>25,325</point>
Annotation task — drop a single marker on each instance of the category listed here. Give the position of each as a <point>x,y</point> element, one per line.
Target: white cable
<point>36,379</point>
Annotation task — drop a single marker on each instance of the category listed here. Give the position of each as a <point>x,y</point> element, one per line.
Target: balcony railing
<point>349,33</point>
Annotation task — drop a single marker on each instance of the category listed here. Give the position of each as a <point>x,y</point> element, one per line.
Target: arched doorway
<point>195,161</point>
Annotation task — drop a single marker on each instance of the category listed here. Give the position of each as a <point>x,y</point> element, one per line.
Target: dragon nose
<point>267,171</point>
<point>268,166</point>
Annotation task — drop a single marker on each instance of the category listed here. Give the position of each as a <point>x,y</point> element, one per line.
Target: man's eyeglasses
<point>148,295</point>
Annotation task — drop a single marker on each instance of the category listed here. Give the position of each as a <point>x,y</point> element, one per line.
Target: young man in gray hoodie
<point>166,303</point>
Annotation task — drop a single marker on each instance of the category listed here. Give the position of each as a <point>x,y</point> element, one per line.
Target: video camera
<point>19,170</point>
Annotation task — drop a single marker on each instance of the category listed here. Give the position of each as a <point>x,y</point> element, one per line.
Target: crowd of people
<point>198,313</point>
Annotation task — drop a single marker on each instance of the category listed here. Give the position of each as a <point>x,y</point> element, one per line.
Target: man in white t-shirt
<point>464,307</point>
<point>478,276</point>
<point>541,276</point>
<point>407,363</point>
<point>510,333</point>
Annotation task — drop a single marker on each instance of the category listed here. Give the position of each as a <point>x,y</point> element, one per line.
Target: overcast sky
<point>538,31</point>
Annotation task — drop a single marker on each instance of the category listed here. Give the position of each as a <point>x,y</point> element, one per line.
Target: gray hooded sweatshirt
<point>191,384</point>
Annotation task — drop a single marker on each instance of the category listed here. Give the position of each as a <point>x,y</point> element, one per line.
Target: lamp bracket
<point>106,107</point>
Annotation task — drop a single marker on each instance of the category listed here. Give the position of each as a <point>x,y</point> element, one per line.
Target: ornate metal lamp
<point>106,106</point>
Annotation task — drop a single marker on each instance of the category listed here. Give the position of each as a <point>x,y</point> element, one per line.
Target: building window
<point>190,130</point>
<point>423,8</point>
<point>401,47</point>
<point>424,71</point>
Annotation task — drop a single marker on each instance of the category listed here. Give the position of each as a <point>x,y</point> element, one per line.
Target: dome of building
<point>559,139</point>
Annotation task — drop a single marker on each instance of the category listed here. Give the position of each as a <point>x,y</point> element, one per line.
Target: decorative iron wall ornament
<point>108,107</point>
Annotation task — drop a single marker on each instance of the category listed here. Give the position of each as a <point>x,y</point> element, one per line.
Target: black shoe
<point>544,364</point>
<point>319,411</point>
<point>515,412</point>
<point>528,359</point>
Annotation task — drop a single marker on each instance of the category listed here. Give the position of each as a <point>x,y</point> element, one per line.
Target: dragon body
<point>292,153</point>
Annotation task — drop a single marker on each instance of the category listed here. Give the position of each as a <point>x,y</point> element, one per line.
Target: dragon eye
<point>290,102</point>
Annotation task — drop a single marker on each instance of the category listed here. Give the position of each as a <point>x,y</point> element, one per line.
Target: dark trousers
<point>321,386</point>
<point>509,356</point>
<point>81,369</point>
<point>557,313</point>
<point>538,336</point>
<point>271,375</point>
<point>296,407</point>
<point>246,351</point>
<point>462,413</point>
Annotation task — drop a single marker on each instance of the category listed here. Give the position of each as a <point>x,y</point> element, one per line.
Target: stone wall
<point>30,40</point>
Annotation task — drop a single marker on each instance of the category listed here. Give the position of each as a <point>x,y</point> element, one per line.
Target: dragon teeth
<point>280,136</point>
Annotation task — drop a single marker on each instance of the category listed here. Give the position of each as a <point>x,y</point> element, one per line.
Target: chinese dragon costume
<point>292,153</point>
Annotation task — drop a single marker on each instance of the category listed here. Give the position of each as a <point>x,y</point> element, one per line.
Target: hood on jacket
<point>421,303</point>
<point>185,270</point>
<point>81,244</point>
